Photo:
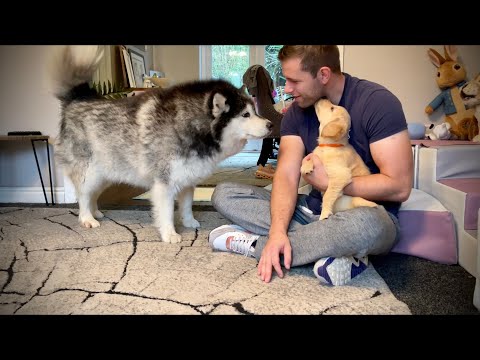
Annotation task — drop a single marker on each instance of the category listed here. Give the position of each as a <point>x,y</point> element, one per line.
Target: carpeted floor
<point>51,265</point>
<point>426,287</point>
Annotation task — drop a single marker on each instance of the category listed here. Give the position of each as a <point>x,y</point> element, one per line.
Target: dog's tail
<point>70,70</point>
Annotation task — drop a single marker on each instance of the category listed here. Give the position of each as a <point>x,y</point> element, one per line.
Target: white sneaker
<point>339,271</point>
<point>240,239</point>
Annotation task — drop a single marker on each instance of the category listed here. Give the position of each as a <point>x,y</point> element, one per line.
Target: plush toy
<point>451,76</point>
<point>470,94</point>
<point>439,132</point>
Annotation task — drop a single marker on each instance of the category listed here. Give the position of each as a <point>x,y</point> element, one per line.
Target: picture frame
<point>128,66</point>
<point>138,66</point>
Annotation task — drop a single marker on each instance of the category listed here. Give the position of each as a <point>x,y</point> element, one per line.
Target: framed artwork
<point>138,65</point>
<point>128,66</point>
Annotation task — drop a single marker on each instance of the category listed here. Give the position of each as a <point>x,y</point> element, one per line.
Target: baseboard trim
<point>30,195</point>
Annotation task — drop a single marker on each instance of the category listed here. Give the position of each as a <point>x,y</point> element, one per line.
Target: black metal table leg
<point>50,173</point>
<point>39,172</point>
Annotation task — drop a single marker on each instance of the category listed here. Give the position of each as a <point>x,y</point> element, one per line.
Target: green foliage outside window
<point>273,65</point>
<point>230,62</point>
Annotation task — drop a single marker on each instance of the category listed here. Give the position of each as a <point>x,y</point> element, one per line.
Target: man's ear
<point>323,74</point>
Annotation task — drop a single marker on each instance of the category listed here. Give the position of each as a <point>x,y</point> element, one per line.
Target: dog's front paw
<point>325,214</point>
<point>306,168</point>
<point>171,237</point>
<point>89,222</point>
<point>190,223</point>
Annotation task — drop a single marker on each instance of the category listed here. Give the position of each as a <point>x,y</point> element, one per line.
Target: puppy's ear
<point>219,105</point>
<point>335,129</point>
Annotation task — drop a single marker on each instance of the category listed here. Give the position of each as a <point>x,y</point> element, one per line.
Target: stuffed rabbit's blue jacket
<point>445,97</point>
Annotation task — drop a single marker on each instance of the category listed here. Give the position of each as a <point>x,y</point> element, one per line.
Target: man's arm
<point>285,183</point>
<point>393,156</point>
<point>284,198</point>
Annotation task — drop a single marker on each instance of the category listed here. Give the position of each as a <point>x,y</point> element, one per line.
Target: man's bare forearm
<point>284,199</point>
<point>379,187</point>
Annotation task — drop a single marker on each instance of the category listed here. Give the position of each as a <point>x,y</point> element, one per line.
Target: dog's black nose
<point>269,125</point>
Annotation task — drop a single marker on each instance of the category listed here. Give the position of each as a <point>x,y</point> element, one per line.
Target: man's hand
<point>318,178</point>
<point>277,244</point>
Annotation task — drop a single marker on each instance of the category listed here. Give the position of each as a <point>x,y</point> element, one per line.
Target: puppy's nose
<point>269,125</point>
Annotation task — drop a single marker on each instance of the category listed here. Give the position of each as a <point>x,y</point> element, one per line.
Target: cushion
<point>427,229</point>
<point>471,188</point>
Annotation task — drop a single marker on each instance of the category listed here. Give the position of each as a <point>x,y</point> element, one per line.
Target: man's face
<point>305,89</point>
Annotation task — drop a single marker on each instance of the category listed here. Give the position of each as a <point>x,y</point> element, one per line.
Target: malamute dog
<point>165,140</point>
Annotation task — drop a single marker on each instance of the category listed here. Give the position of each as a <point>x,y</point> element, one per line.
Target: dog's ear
<point>219,105</point>
<point>335,129</point>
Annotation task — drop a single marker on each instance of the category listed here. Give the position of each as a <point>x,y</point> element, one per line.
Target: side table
<point>32,139</point>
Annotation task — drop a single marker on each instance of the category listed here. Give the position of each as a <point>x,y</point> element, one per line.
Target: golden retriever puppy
<point>339,158</point>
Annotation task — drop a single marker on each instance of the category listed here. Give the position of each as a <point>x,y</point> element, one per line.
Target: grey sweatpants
<point>358,232</point>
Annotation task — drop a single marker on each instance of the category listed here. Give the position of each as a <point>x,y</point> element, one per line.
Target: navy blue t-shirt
<point>375,113</point>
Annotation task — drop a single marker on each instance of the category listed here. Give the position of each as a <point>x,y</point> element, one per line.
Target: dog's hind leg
<point>346,202</point>
<point>337,181</point>
<point>97,214</point>
<point>163,198</point>
<point>358,201</point>
<point>88,184</point>
<point>185,201</point>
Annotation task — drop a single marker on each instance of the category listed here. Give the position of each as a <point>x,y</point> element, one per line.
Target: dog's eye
<point>332,108</point>
<point>247,114</point>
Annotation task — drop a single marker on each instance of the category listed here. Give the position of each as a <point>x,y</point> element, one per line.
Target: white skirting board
<point>31,195</point>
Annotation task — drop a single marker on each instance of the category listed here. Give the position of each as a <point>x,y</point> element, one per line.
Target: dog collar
<point>330,145</point>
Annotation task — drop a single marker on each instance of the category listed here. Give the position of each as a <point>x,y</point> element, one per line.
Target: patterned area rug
<point>51,265</point>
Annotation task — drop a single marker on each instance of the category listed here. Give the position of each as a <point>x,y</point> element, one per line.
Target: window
<point>230,62</point>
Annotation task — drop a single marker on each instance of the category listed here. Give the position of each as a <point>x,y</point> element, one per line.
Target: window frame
<point>257,56</point>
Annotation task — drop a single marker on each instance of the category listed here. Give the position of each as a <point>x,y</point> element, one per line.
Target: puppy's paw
<point>98,214</point>
<point>171,237</point>
<point>306,168</point>
<point>190,223</point>
<point>325,214</point>
<point>89,222</point>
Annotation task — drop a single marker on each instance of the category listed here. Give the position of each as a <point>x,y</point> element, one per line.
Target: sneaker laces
<point>242,244</point>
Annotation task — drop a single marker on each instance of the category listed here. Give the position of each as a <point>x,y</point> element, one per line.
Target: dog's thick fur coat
<point>339,158</point>
<point>165,140</point>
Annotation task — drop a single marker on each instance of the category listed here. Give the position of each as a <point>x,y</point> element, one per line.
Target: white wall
<point>407,72</point>
<point>178,62</point>
<point>27,105</point>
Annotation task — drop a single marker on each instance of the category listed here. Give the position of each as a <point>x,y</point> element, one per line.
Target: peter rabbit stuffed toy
<point>451,76</point>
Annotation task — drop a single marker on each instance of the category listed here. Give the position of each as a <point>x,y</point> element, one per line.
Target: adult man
<point>282,224</point>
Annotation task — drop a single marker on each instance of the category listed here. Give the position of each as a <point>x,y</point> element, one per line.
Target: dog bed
<point>427,229</point>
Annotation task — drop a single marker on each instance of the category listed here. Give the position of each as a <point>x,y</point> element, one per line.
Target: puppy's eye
<point>332,108</point>
<point>245,115</point>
